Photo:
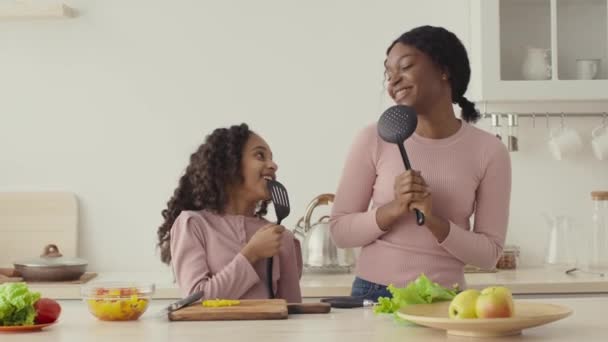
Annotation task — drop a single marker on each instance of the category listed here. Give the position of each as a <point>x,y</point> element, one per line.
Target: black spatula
<point>280,201</point>
<point>396,125</point>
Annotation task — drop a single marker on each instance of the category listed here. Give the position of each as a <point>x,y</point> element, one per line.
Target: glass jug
<point>561,243</point>
<point>598,258</point>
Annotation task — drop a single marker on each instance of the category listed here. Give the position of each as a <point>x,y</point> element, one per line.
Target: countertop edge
<point>322,286</point>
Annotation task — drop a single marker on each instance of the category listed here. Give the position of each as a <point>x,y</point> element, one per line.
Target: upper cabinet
<point>539,50</point>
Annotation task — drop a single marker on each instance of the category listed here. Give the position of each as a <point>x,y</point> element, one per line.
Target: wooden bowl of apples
<point>487,313</point>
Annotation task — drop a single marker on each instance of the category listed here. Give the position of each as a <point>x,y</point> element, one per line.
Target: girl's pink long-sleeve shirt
<point>205,255</point>
<point>469,174</point>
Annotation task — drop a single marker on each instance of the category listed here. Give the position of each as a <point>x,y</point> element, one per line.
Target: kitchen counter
<point>521,281</point>
<point>76,324</point>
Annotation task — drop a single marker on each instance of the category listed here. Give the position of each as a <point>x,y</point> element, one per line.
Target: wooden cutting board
<point>31,220</point>
<point>250,309</point>
<point>308,308</point>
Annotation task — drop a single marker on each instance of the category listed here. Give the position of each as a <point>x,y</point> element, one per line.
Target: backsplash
<point>542,184</point>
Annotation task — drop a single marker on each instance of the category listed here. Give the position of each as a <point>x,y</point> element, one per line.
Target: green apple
<point>494,302</point>
<point>463,305</point>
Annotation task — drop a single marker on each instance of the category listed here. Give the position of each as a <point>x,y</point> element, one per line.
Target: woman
<point>214,234</point>
<point>459,171</point>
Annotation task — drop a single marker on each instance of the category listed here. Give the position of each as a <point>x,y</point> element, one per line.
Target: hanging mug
<point>599,142</point>
<point>564,141</point>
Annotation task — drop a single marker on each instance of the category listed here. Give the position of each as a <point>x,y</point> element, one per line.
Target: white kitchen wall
<point>111,104</point>
<point>542,184</point>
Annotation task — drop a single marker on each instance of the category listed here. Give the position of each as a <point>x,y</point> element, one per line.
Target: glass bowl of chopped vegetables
<point>116,301</point>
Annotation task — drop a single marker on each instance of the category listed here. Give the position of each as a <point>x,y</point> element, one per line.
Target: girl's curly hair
<point>446,51</point>
<point>214,167</point>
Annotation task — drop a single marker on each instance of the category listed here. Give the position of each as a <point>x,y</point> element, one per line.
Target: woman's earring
<point>444,77</point>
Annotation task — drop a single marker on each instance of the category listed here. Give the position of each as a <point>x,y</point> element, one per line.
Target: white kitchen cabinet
<point>506,57</point>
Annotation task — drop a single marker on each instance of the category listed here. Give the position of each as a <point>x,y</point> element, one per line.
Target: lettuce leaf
<point>420,291</point>
<point>17,304</point>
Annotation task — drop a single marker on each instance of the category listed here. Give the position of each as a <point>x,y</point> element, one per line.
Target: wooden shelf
<point>25,10</point>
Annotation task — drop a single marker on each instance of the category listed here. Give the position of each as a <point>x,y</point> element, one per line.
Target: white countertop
<point>588,324</point>
<point>521,281</point>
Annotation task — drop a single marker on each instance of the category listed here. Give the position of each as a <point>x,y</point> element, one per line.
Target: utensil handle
<point>419,217</point>
<point>271,294</point>
<point>269,274</point>
<point>269,278</point>
<point>308,308</point>
<point>406,162</point>
<point>348,302</point>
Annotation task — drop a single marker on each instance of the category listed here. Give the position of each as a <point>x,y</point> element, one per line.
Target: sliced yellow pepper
<point>220,302</point>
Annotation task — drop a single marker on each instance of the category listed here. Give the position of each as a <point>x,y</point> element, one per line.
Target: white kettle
<point>319,252</point>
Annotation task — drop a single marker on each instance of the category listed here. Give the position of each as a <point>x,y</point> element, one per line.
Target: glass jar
<point>512,137</point>
<point>598,258</point>
<point>509,258</point>
<point>496,128</point>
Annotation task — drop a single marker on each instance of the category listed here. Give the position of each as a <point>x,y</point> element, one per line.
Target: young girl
<point>214,234</point>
